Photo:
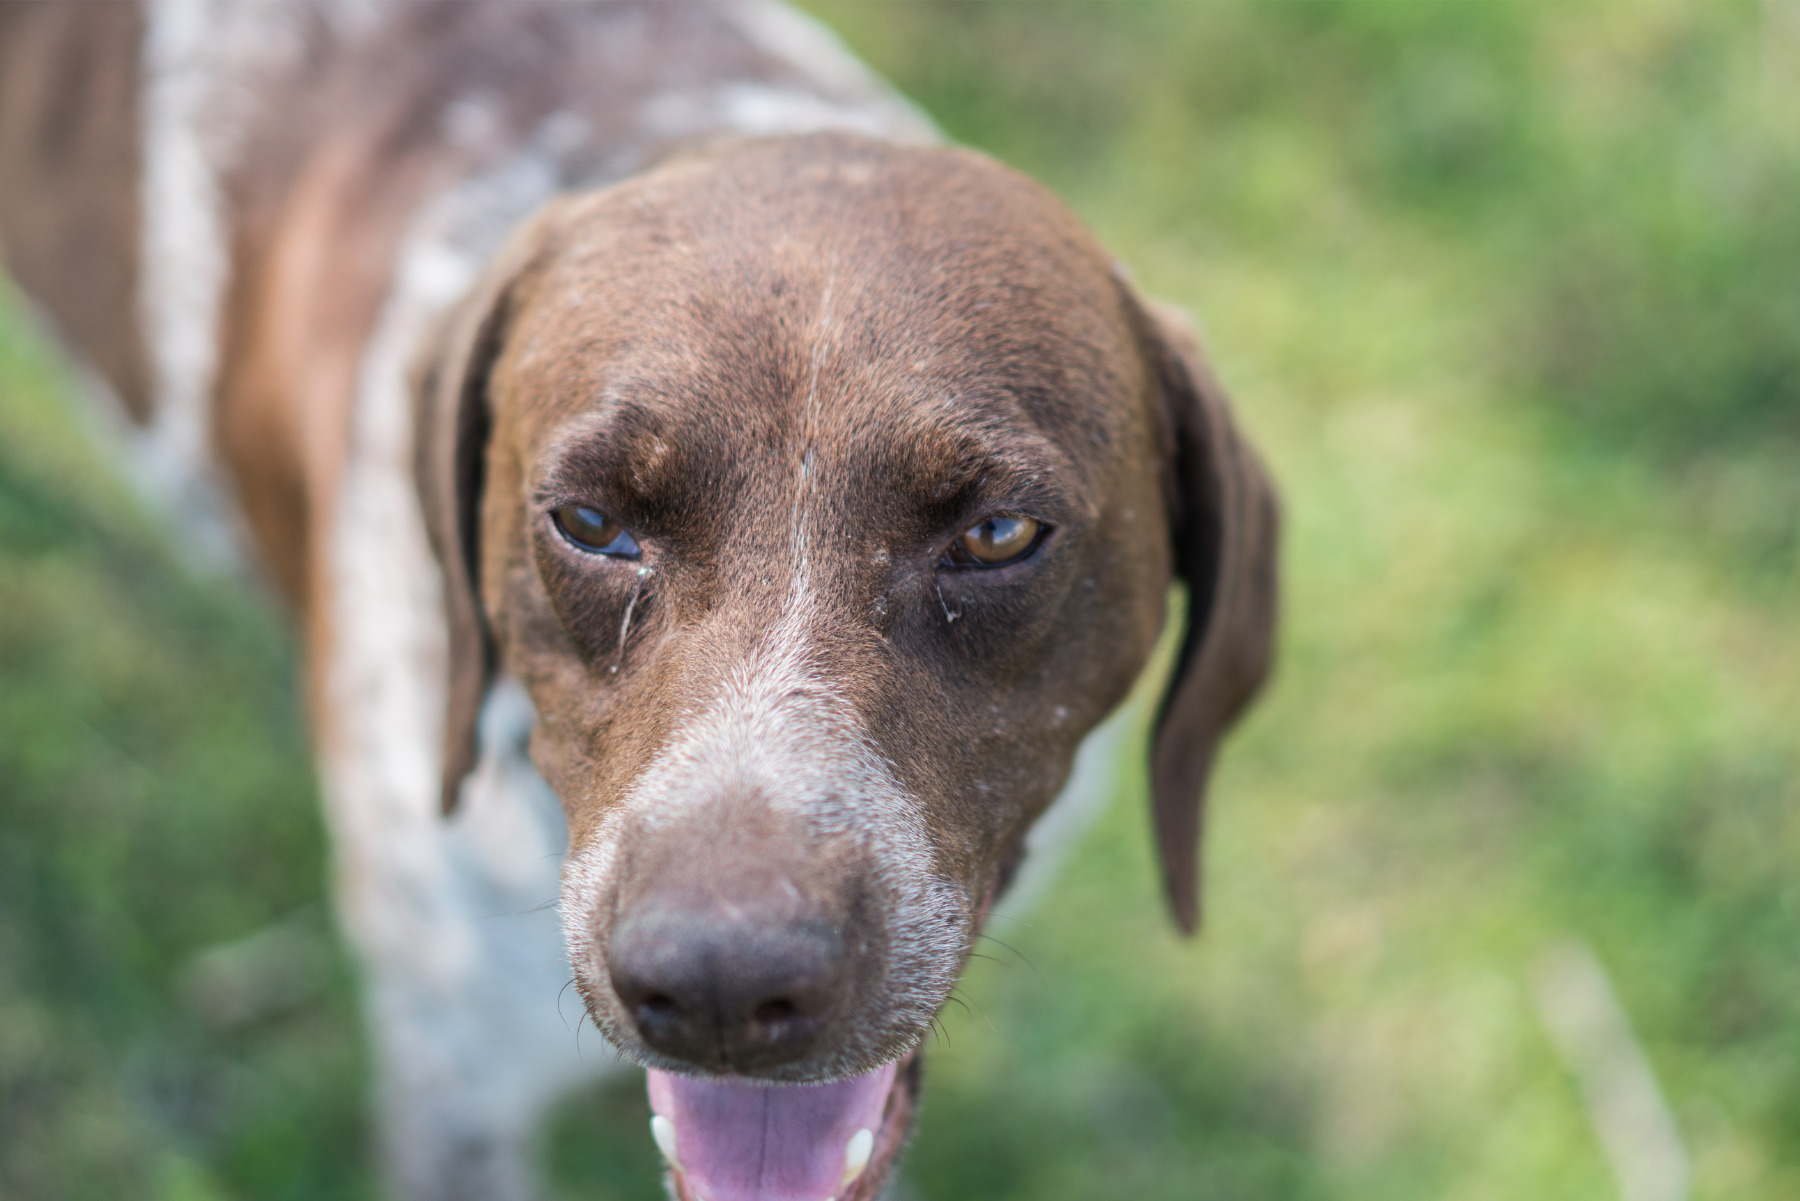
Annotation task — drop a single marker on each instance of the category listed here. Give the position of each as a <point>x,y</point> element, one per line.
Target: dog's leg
<point>463,961</point>
<point>453,918</point>
<point>474,1048</point>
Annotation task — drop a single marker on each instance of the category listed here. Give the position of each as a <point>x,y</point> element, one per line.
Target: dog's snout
<point>735,985</point>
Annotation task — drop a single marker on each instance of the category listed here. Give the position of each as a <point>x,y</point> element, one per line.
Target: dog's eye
<point>593,531</point>
<point>996,542</point>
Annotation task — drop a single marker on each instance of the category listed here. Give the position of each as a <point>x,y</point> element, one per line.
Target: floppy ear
<point>453,418</point>
<point>1224,522</point>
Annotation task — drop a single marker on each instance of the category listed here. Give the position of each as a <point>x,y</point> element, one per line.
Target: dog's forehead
<point>907,293</point>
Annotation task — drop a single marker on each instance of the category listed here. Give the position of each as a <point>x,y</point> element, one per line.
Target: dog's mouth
<point>737,1139</point>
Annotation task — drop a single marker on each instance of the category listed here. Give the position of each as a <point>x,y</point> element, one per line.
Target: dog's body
<point>799,734</point>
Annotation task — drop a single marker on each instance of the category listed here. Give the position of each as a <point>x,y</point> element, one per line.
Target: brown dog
<point>805,500</point>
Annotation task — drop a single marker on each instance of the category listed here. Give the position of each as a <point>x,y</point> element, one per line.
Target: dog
<point>704,495</point>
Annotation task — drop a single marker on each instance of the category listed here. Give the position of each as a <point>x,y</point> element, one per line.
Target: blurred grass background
<point>1510,295</point>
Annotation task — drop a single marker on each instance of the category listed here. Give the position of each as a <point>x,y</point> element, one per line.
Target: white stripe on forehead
<point>799,543</point>
<point>777,725</point>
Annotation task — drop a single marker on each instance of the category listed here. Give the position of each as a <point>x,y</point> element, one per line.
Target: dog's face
<point>823,495</point>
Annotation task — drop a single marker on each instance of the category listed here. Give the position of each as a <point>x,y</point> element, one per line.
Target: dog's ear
<point>1224,522</point>
<point>452,421</point>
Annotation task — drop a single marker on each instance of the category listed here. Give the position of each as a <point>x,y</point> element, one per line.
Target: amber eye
<point>593,531</point>
<point>995,542</point>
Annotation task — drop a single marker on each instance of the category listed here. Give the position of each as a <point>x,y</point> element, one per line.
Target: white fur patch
<point>817,53</point>
<point>182,273</point>
<point>202,61</point>
<point>455,919</point>
<point>759,110</point>
<point>838,92</point>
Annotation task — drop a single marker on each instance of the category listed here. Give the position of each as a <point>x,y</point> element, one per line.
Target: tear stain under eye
<point>948,615</point>
<point>643,573</point>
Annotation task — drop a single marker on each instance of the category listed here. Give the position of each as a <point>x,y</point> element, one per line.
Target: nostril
<point>780,1022</point>
<point>657,1010</point>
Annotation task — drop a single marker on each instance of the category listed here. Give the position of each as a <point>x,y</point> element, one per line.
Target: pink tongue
<point>742,1140</point>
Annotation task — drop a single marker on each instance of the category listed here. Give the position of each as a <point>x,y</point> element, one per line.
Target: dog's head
<point>823,494</point>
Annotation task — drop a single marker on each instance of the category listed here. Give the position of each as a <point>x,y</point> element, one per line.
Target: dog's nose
<point>727,986</point>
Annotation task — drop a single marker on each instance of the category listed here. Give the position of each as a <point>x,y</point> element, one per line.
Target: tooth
<point>856,1155</point>
<point>663,1131</point>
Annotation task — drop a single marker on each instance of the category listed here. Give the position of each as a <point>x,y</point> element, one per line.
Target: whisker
<point>978,1005</point>
<point>1023,957</point>
<point>559,1013</point>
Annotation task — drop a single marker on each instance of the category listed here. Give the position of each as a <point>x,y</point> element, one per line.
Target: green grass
<point>1507,294</point>
<point>155,798</point>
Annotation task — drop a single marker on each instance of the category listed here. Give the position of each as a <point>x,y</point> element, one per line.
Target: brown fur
<point>820,356</point>
<point>69,157</point>
<point>940,340</point>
